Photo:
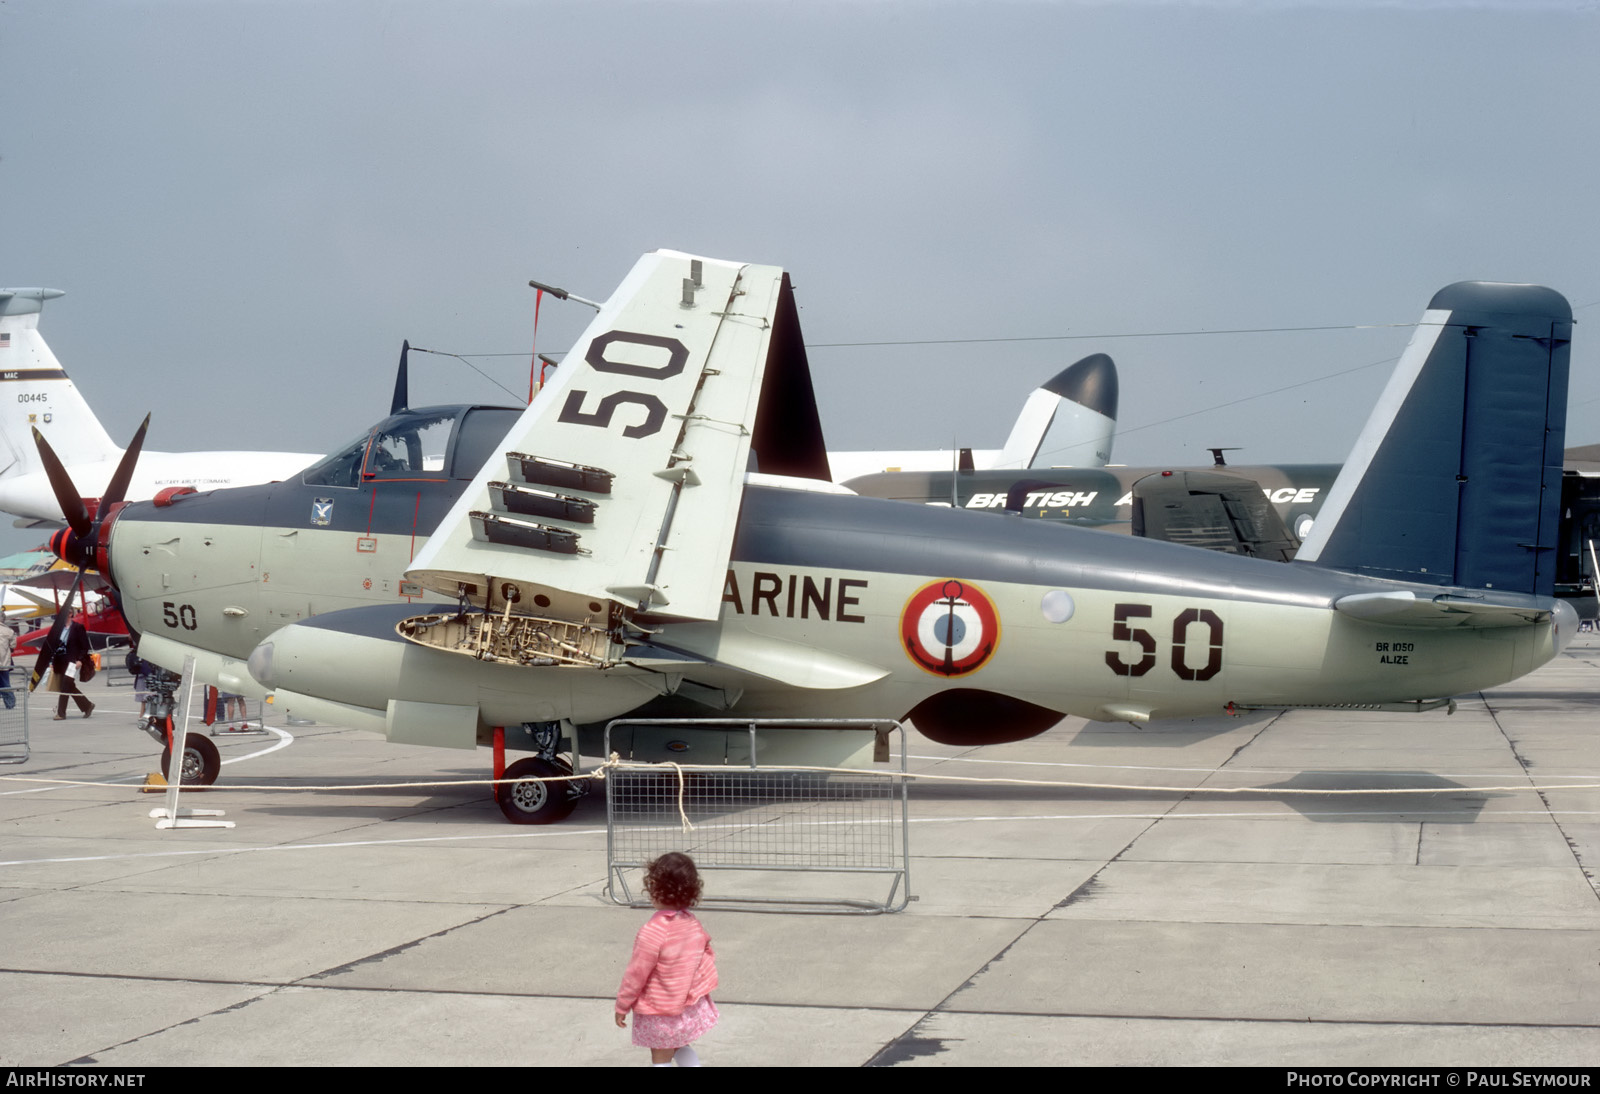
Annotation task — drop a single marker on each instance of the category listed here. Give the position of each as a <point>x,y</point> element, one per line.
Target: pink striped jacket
<point>673,966</point>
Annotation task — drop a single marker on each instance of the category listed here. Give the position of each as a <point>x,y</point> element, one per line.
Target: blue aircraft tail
<point>1456,479</point>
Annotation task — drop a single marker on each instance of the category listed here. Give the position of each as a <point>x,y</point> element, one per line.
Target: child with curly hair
<point>668,983</point>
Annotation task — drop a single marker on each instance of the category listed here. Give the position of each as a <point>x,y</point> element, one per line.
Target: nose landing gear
<point>201,760</point>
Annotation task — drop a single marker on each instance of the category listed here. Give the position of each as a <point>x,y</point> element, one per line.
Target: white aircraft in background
<point>1068,421</point>
<point>36,393</point>
<point>26,602</point>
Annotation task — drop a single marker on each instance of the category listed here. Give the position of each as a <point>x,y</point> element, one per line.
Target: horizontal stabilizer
<point>26,301</point>
<point>1406,609</point>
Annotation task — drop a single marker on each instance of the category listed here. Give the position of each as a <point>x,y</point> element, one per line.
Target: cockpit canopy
<point>428,444</point>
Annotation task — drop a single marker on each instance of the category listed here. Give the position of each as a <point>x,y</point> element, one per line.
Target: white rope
<point>680,770</point>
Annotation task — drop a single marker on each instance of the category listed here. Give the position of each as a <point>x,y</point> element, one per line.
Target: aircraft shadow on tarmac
<point>1160,734</point>
<point>1531,700</point>
<point>390,798</point>
<point>1444,802</point>
<point>1440,800</point>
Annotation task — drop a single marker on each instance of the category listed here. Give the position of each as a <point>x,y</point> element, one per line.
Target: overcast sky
<point>250,204</point>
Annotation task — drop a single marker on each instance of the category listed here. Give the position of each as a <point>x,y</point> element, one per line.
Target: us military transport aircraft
<point>37,394</point>
<point>654,532</point>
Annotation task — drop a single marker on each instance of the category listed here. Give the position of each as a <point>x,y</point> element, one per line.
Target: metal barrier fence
<point>114,663</point>
<point>759,830</point>
<point>14,724</point>
<point>230,713</point>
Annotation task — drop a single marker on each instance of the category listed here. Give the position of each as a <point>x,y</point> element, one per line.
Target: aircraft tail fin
<point>45,397</point>
<point>1456,479</point>
<point>1068,421</point>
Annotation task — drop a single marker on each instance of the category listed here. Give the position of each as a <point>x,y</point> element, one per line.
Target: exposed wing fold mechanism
<point>619,488</point>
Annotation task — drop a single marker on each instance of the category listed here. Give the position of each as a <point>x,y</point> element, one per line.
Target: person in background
<point>8,642</point>
<point>67,666</point>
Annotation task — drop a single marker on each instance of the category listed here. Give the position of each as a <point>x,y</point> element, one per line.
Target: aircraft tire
<point>202,763</point>
<point>534,802</point>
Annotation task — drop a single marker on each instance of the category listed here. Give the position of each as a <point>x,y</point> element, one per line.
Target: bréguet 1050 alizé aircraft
<point>614,553</point>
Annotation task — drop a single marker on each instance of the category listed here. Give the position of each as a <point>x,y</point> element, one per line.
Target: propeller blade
<point>61,483</point>
<point>402,392</point>
<point>47,650</point>
<point>118,486</point>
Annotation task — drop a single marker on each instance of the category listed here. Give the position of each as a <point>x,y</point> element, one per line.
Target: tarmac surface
<point>1052,925</point>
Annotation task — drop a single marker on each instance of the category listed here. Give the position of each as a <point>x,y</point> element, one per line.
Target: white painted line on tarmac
<point>555,831</point>
<point>126,780</point>
<point>1215,770</point>
<point>285,739</point>
<point>306,846</point>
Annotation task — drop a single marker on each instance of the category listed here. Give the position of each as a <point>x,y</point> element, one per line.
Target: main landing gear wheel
<point>201,760</point>
<point>534,802</point>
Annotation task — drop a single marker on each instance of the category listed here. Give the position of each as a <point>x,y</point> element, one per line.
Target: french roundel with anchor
<point>950,627</point>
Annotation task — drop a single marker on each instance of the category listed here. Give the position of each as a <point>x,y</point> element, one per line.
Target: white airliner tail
<point>1069,421</point>
<point>35,392</point>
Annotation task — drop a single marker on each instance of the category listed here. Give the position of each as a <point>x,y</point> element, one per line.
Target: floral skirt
<point>674,1030</point>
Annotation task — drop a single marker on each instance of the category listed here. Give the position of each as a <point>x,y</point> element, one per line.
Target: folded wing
<point>618,489</point>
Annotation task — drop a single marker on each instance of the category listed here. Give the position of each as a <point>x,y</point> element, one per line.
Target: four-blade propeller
<point>76,543</point>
